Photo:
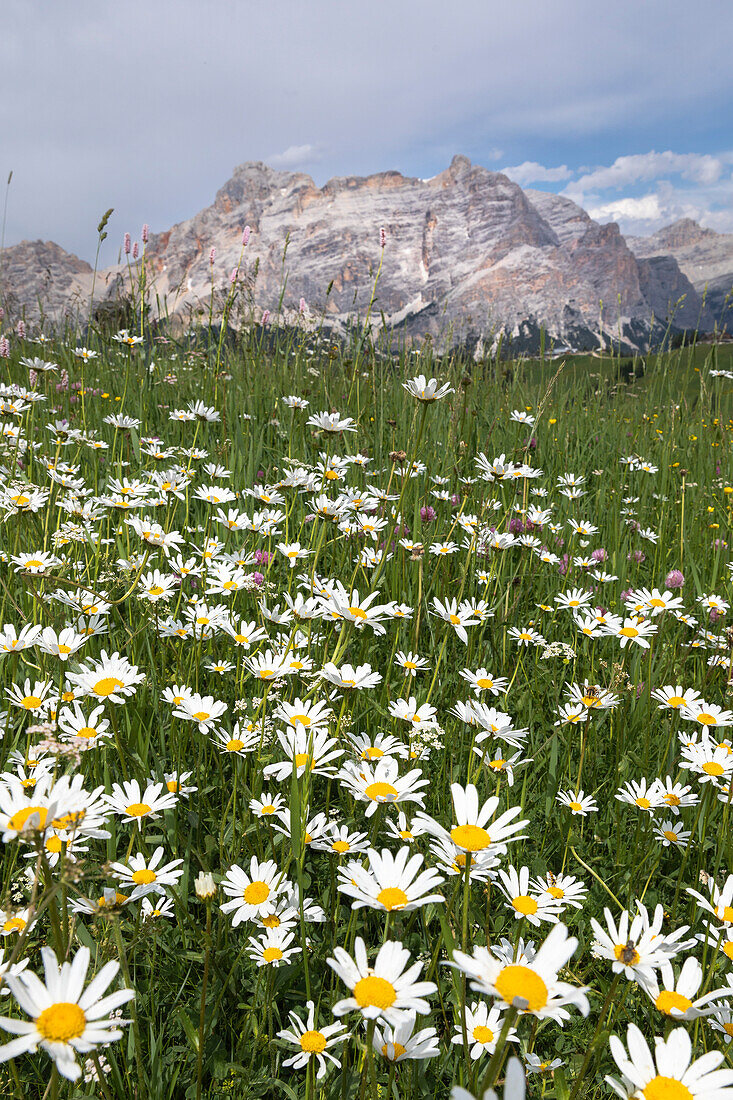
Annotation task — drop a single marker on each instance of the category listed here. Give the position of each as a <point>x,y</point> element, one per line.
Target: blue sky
<point>147,106</point>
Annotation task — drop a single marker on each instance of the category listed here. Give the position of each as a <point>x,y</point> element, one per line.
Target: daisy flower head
<point>633,630</point>
<point>380,782</point>
<point>477,829</point>
<point>66,1019</point>
<point>392,882</point>
<point>309,750</point>
<point>675,996</point>
<point>412,663</point>
<point>387,990</point>
<point>253,893</point>
<point>532,987</point>
<point>483,680</point>
<point>312,1042</point>
<point>534,907</point>
<point>578,802</point>
<point>204,710</point>
<point>426,391</point>
<point>147,876</point>
<point>274,948</point>
<point>669,1073</point>
<point>131,803</point>
<point>483,1027</point>
<point>402,1043</point>
<point>109,679</point>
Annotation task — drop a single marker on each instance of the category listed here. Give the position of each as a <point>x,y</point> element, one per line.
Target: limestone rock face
<point>704,256</point>
<point>469,254</point>
<point>39,277</point>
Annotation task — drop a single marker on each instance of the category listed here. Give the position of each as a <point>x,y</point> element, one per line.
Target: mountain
<point>469,254</point>
<point>704,256</point>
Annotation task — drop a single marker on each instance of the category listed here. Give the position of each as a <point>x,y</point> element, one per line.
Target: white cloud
<point>641,167</point>
<point>494,153</point>
<point>294,156</point>
<point>532,172</point>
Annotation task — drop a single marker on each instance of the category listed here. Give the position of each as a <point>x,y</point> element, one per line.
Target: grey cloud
<point>148,106</point>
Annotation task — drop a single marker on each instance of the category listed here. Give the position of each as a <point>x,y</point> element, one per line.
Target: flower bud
<point>128,244</point>
<point>245,236</point>
<point>205,886</point>
<point>145,233</point>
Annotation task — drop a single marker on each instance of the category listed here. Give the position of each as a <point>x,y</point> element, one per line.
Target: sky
<point>147,105</point>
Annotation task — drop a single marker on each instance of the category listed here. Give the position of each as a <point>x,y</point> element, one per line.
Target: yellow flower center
<point>272,954</point>
<point>675,701</point>
<point>455,619</point>
<point>371,753</point>
<point>242,639</point>
<point>671,836</point>
<point>358,613</point>
<point>713,768</point>
<point>483,1034</point>
<point>107,685</point>
<point>234,745</point>
<point>301,759</point>
<point>302,718</point>
<point>727,916</point>
<point>666,1088</point>
<point>31,702</point>
<point>643,803</point>
<point>471,837</point>
<point>629,632</point>
<point>555,892</point>
<point>61,1022</point>
<point>484,682</point>
<point>526,905</point>
<point>656,602</point>
<point>392,897</point>
<point>138,809</point>
<point>399,1050</point>
<point>521,981</point>
<point>256,892</point>
<point>18,820</point>
<point>381,791</point>
<point>144,877</point>
<point>706,719</point>
<point>668,1000</point>
<point>273,921</point>
<point>374,992</point>
<point>201,715</point>
<point>577,806</point>
<point>312,1042</point>
<point>269,809</point>
<point>340,846</point>
<point>53,844</point>
<point>14,924</point>
<point>172,786</point>
<point>728,949</point>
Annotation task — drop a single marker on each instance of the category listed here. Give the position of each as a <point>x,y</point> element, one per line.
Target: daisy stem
<point>590,1053</point>
<point>202,1008</point>
<point>133,1010</point>
<point>497,1058</point>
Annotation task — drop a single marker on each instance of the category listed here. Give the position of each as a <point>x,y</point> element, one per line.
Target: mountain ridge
<point>469,254</point>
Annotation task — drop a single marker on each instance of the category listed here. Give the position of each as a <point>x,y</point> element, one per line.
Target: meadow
<point>364,735</point>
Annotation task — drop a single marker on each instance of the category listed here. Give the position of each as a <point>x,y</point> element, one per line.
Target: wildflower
<point>253,894</point>
<point>65,1019</point>
<point>483,1026</point>
<point>532,987</point>
<point>385,990</point>
<point>670,1071</point>
<point>312,1042</point>
<point>391,882</point>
